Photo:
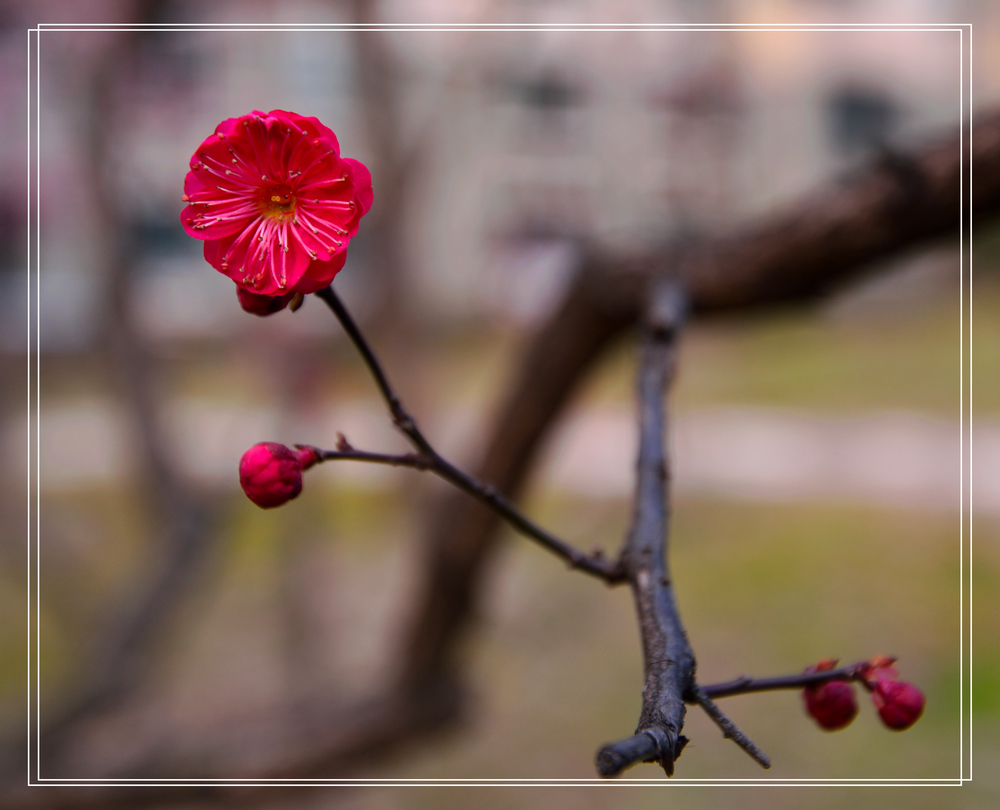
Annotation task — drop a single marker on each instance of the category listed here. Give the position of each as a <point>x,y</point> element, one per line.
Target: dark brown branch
<point>668,660</point>
<point>828,237</point>
<point>427,458</point>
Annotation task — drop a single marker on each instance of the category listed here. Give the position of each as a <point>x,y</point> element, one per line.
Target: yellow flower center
<point>278,202</point>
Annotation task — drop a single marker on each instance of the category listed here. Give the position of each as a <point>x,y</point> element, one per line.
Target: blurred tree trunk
<point>392,167</point>
<point>177,521</point>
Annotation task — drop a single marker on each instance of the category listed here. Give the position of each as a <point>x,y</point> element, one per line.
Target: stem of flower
<point>400,416</point>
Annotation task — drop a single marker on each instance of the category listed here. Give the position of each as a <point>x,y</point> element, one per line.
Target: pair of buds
<point>833,704</point>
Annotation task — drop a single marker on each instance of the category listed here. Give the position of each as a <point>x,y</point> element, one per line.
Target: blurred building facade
<point>519,138</point>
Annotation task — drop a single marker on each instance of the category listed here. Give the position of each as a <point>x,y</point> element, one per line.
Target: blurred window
<point>548,93</point>
<point>860,118</point>
<point>548,99</point>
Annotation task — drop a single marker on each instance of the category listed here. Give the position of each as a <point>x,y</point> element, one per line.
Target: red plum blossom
<point>274,202</point>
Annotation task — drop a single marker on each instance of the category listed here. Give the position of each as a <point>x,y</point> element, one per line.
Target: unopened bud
<point>899,703</point>
<point>271,474</point>
<point>262,305</point>
<point>832,704</point>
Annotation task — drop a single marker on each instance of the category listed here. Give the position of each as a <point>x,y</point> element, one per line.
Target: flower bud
<point>262,305</point>
<point>271,474</point>
<point>832,704</point>
<point>899,703</point>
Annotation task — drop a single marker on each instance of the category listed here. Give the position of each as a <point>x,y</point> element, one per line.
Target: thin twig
<point>417,462</point>
<point>729,729</point>
<point>400,416</point>
<point>745,685</point>
<point>702,695</point>
<point>427,458</point>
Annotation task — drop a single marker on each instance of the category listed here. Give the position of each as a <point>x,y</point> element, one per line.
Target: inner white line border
<point>33,522</point>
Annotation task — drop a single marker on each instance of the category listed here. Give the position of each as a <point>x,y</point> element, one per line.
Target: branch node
<point>427,457</point>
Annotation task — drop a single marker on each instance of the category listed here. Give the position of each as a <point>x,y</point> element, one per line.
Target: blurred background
<point>817,449</point>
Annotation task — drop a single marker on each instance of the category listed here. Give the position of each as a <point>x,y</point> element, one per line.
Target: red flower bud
<point>831,704</point>
<point>899,703</point>
<point>271,474</point>
<point>262,304</point>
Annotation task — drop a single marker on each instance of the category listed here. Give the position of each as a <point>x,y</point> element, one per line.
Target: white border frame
<point>34,777</point>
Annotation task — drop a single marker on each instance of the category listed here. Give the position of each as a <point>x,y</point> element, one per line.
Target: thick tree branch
<point>461,534</point>
<point>828,237</point>
<point>668,660</point>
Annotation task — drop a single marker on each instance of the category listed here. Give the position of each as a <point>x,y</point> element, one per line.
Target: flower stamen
<point>278,202</point>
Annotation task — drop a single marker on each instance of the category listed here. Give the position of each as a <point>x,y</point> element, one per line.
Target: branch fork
<point>427,458</point>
